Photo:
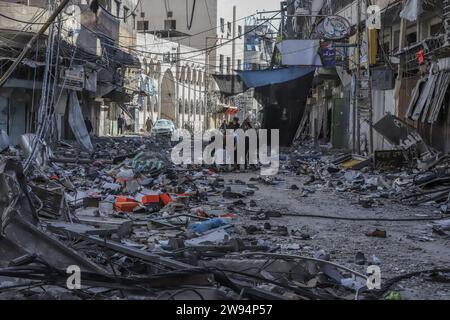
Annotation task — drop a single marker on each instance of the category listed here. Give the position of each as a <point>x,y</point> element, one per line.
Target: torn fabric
<point>300,53</point>
<point>77,124</point>
<point>412,10</point>
<point>226,82</point>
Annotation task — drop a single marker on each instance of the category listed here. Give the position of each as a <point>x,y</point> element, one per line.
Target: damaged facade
<point>93,66</point>
<point>397,58</point>
<point>101,57</point>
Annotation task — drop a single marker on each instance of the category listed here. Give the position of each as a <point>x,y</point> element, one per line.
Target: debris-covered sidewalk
<point>138,227</point>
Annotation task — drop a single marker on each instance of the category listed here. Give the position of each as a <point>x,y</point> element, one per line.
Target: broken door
<point>341,113</point>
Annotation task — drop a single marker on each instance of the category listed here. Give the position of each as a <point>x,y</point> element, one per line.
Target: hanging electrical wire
<point>46,92</point>
<point>191,21</point>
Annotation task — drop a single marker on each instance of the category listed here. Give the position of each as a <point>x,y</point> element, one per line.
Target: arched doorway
<point>168,97</point>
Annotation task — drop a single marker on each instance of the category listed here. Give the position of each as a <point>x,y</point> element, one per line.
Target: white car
<point>163,128</point>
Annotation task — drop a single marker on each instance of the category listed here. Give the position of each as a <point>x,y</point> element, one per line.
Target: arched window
<point>194,76</point>
<point>155,105</point>
<point>188,75</point>
<point>182,74</point>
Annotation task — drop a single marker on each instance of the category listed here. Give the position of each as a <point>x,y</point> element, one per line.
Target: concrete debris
<point>409,182</point>
<point>124,212</point>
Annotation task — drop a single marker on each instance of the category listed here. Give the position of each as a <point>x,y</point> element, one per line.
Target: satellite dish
<point>373,17</point>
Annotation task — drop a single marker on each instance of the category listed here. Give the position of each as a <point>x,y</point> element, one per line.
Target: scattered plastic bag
<point>208,225</point>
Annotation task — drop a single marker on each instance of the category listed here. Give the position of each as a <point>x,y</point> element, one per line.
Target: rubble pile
<point>357,178</point>
<point>139,227</point>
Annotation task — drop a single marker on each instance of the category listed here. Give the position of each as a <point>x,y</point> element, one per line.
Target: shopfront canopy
<point>256,79</point>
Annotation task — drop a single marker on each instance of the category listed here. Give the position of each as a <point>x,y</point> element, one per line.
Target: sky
<point>253,5</point>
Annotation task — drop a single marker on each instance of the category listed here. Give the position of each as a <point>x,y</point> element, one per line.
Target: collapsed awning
<point>256,79</point>
<point>226,83</point>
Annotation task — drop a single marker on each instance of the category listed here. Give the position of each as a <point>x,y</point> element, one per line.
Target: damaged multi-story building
<point>89,50</point>
<point>401,70</point>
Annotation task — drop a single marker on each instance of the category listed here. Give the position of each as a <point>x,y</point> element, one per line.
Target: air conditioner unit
<point>170,25</point>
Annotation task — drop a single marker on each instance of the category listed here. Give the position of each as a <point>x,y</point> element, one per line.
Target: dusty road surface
<point>410,246</point>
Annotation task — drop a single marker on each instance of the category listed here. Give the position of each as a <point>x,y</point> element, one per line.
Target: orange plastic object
<point>166,198</point>
<point>124,204</point>
<point>150,199</point>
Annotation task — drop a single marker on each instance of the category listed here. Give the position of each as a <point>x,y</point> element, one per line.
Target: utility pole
<point>356,115</point>
<point>233,54</point>
<point>206,83</point>
<point>30,43</point>
<point>369,84</point>
<point>402,44</point>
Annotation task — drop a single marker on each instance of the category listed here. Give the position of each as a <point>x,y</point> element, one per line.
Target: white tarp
<point>77,124</point>
<point>412,10</point>
<point>300,53</point>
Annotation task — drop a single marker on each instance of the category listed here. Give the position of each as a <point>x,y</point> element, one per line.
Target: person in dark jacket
<point>121,123</point>
<point>224,125</point>
<point>88,124</point>
<point>235,124</point>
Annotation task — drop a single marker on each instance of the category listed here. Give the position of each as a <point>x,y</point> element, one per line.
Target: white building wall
<point>204,18</point>
<point>154,53</point>
<point>206,24</point>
